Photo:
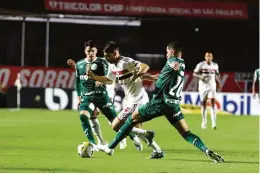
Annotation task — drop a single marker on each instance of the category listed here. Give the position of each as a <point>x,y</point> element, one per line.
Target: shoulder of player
<point>101,60</point>
<point>174,59</point>
<point>80,62</point>
<point>215,64</point>
<point>126,59</point>
<point>201,63</point>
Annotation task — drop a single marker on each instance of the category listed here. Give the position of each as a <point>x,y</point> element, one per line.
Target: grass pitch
<point>46,141</point>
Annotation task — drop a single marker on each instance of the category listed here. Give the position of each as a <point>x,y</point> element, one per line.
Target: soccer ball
<point>85,150</point>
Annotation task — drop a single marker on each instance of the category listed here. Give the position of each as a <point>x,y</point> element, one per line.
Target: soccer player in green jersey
<point>91,96</point>
<point>256,79</point>
<point>93,119</point>
<point>166,101</point>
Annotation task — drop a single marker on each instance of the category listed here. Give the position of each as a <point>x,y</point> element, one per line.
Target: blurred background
<point>37,37</point>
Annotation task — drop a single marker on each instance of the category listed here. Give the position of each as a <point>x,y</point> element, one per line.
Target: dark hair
<point>110,47</point>
<point>90,44</point>
<point>175,46</point>
<point>208,52</point>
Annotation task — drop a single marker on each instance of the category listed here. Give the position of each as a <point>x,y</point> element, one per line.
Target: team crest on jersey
<point>93,66</point>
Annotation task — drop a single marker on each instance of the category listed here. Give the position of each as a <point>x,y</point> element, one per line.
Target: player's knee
<point>139,125</point>
<point>204,103</point>
<point>213,102</point>
<point>135,118</point>
<point>116,124</point>
<point>115,127</point>
<point>84,115</point>
<point>96,112</point>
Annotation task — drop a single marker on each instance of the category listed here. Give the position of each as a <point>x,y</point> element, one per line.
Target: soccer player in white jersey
<point>209,81</point>
<point>127,72</point>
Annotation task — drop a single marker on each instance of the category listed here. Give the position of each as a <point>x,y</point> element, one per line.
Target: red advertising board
<point>227,10</point>
<point>37,77</point>
<point>34,77</point>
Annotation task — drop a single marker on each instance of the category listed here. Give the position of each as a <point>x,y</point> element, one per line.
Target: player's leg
<point>106,107</point>
<point>213,114</point>
<point>116,124</point>
<point>120,120</point>
<point>96,127</point>
<point>203,99</point>
<point>176,118</point>
<point>144,113</point>
<point>86,110</point>
<point>123,115</point>
<point>157,152</point>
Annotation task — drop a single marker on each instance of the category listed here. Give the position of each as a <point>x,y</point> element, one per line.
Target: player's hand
<point>135,76</point>
<point>98,83</point>
<point>175,66</point>
<point>90,74</point>
<point>219,87</point>
<point>71,63</point>
<point>205,79</point>
<point>254,95</point>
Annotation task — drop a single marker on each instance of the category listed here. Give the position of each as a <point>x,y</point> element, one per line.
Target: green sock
<point>87,128</point>
<point>123,131</point>
<point>195,140</point>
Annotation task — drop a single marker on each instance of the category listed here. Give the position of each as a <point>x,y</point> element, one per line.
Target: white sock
<point>154,145</point>
<point>204,116</point>
<point>138,131</point>
<point>96,129</point>
<point>213,116</point>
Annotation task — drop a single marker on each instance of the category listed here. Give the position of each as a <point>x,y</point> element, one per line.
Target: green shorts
<point>157,107</point>
<point>102,101</point>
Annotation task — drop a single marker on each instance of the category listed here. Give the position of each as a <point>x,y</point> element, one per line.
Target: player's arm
<point>197,72</point>
<point>78,85</point>
<point>141,69</point>
<point>218,80</point>
<point>254,83</point>
<point>102,79</point>
<point>149,77</point>
<point>71,63</point>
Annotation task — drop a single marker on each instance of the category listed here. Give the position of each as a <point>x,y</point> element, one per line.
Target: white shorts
<point>205,94</point>
<point>129,106</point>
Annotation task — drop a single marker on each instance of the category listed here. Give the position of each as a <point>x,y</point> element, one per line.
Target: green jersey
<point>170,82</point>
<point>85,85</point>
<point>257,75</point>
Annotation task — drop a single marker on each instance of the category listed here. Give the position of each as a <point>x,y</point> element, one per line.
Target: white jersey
<point>111,91</point>
<point>210,71</point>
<point>122,72</point>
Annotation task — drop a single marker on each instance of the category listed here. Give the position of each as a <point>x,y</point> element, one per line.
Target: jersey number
<point>178,86</point>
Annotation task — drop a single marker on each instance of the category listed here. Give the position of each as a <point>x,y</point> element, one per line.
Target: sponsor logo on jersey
<point>93,66</point>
